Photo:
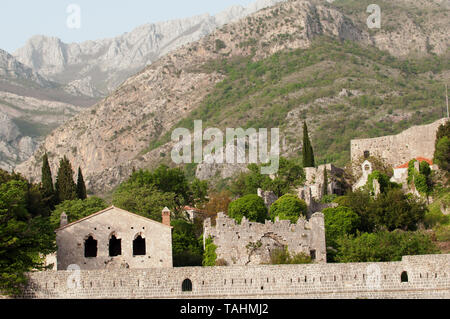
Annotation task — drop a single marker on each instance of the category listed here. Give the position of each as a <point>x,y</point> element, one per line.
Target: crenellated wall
<point>428,276</point>
<point>250,243</point>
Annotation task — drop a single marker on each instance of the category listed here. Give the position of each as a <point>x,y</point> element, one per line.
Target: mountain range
<point>291,62</point>
<point>48,76</point>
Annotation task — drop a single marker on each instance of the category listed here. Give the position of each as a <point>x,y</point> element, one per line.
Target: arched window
<point>139,246</point>
<point>404,276</point>
<point>186,285</point>
<point>115,246</point>
<point>90,247</point>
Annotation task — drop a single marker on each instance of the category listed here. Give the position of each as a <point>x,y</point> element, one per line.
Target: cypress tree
<point>308,154</point>
<point>81,187</point>
<point>325,181</point>
<point>65,186</point>
<point>47,189</point>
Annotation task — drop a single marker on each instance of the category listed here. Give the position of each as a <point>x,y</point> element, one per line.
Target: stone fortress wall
<point>417,141</point>
<point>250,243</point>
<point>426,276</point>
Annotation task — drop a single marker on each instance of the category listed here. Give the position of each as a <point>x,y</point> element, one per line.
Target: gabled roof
<point>420,159</point>
<point>108,209</point>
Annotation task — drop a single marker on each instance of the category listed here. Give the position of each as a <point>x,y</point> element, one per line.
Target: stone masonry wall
<point>428,277</point>
<point>250,243</point>
<point>417,141</point>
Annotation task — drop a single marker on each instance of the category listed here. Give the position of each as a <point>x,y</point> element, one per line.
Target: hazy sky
<point>21,19</point>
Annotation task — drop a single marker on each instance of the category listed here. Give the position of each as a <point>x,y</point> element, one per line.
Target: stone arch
<point>115,245</point>
<point>186,285</point>
<point>90,246</point>
<point>139,245</point>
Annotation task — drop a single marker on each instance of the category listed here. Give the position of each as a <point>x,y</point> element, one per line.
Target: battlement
<point>413,277</point>
<point>250,243</point>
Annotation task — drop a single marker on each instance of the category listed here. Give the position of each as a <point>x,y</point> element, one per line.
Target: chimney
<point>166,216</point>
<point>63,219</point>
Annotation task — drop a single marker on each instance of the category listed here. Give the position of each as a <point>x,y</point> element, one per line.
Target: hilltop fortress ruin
<point>417,141</point>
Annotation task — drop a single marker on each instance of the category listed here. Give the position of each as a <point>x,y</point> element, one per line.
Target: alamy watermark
<point>233,151</point>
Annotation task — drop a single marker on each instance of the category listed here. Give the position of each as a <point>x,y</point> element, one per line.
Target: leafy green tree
<point>22,237</point>
<point>81,187</point>
<point>290,174</point>
<point>383,180</point>
<point>339,221</point>
<point>251,206</point>
<point>288,207</point>
<point>308,154</point>
<point>397,210</point>
<point>248,182</point>
<point>76,209</point>
<point>442,153</point>
<point>384,246</point>
<point>165,180</point>
<point>143,199</point>
<point>65,186</point>
<point>47,188</point>
<point>199,190</point>
<point>359,202</point>
<point>187,250</point>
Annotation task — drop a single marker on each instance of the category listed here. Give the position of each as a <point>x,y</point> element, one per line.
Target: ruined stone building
<point>250,243</point>
<point>313,190</point>
<point>114,238</point>
<point>395,150</point>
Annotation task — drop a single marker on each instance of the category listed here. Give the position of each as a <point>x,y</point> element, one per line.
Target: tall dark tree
<point>308,154</point>
<point>65,186</point>
<point>47,189</point>
<point>325,181</point>
<point>81,187</point>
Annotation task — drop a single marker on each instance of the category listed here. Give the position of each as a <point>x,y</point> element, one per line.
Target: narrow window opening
<point>90,247</point>
<point>312,253</point>
<point>404,276</point>
<point>115,246</point>
<point>139,246</point>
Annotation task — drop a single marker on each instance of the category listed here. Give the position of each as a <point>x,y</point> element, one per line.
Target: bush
<point>209,255</point>
<point>282,256</point>
<point>339,221</point>
<point>221,262</point>
<point>442,233</point>
<point>186,248</point>
<point>288,207</point>
<point>76,209</point>
<point>251,206</point>
<point>384,246</point>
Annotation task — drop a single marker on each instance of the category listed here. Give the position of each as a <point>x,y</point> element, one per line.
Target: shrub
<point>384,246</point>
<point>209,255</point>
<point>338,222</point>
<point>282,256</point>
<point>221,262</point>
<point>251,206</point>
<point>288,207</point>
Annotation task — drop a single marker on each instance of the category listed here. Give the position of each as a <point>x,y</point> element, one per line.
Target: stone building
<point>250,243</point>
<point>417,141</point>
<point>313,190</point>
<point>114,238</point>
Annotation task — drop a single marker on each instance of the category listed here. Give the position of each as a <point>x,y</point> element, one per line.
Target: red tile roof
<point>420,159</point>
